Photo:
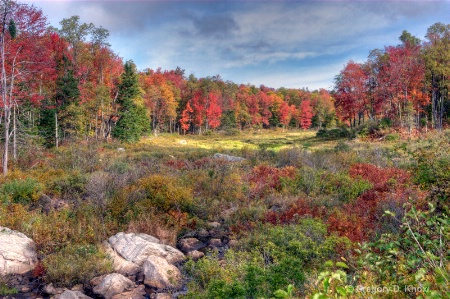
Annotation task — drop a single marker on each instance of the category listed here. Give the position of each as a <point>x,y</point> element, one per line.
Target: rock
<point>213,224</point>
<point>68,294</point>
<point>137,247</point>
<point>136,293</point>
<point>78,287</point>
<point>163,296</point>
<point>120,264</point>
<point>190,244</point>
<point>195,255</point>
<point>160,274</point>
<point>203,233</point>
<point>47,204</point>
<point>215,242</point>
<point>228,158</point>
<point>113,284</point>
<point>17,252</point>
<point>51,290</point>
<point>182,141</point>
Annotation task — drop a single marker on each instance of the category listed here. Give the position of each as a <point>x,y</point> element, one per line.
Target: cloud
<point>258,39</point>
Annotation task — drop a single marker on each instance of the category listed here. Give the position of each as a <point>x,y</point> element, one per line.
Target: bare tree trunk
<point>14,134</point>
<point>56,130</point>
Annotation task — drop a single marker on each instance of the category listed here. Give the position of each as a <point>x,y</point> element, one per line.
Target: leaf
<point>420,274</point>
<point>326,284</point>
<point>329,263</point>
<point>320,296</point>
<point>341,291</point>
<point>280,294</point>
<point>342,265</point>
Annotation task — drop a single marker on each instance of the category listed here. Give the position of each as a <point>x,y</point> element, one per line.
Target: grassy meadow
<point>304,216</point>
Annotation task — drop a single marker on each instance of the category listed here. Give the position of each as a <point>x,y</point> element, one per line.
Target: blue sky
<point>295,44</point>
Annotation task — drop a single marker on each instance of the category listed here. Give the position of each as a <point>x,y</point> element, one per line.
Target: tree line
<point>406,84</point>
<point>64,84</point>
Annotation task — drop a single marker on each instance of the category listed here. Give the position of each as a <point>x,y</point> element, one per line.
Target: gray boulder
<point>17,252</point>
<point>130,251</point>
<point>160,274</point>
<point>113,284</point>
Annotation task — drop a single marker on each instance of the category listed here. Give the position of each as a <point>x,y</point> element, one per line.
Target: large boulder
<point>113,284</point>
<point>17,252</point>
<point>130,251</point>
<point>160,274</point>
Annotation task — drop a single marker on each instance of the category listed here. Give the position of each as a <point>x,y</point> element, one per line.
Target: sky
<point>292,44</point>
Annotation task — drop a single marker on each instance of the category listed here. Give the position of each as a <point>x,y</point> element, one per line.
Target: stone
<point>51,290</point>
<point>113,284</point>
<point>190,244</point>
<point>203,233</point>
<point>17,252</point>
<point>78,287</point>
<point>163,296</point>
<point>136,293</point>
<point>195,255</point>
<point>228,158</point>
<point>136,248</point>
<point>68,294</point>
<point>215,242</point>
<point>214,224</point>
<point>120,264</point>
<point>160,274</point>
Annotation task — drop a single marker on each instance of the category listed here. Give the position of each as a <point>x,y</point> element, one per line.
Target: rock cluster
<point>144,267</point>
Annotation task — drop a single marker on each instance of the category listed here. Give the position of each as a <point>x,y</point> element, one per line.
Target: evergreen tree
<point>133,120</point>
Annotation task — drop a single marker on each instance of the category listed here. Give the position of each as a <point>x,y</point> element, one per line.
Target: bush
<point>163,193</point>
<point>70,185</point>
<point>20,191</point>
<point>272,258</point>
<point>336,133</point>
<point>392,137</point>
<point>76,263</point>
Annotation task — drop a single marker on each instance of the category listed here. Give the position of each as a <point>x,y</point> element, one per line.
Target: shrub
<point>341,146</point>
<point>20,191</point>
<point>392,137</point>
<point>69,185</point>
<point>76,263</point>
<point>272,258</point>
<point>162,193</point>
<point>336,133</point>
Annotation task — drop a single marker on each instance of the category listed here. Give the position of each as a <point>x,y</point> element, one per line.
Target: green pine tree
<point>133,120</point>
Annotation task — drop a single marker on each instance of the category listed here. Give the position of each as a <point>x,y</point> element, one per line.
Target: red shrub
<point>263,179</point>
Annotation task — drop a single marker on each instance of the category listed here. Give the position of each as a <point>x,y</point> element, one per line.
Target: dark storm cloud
<point>215,26</point>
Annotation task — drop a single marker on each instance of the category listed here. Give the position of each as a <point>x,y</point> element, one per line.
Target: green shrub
<point>76,263</point>
<point>271,258</point>
<point>336,133</point>
<point>20,191</point>
<point>391,137</point>
<point>70,185</point>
